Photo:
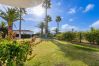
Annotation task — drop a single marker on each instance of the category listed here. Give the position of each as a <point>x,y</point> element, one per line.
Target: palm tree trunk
<point>46,22</point>
<point>9,31</point>
<point>80,37</point>
<point>42,32</point>
<point>20,25</point>
<point>58,27</point>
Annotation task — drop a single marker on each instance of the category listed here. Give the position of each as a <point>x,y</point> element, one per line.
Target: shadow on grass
<point>86,48</point>
<point>86,44</point>
<point>78,52</point>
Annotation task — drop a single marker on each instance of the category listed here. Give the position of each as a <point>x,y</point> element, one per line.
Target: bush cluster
<point>68,36</point>
<point>13,53</point>
<point>92,36</point>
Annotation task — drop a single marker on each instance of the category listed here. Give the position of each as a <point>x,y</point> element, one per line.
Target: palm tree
<point>48,19</point>
<point>58,20</point>
<point>3,29</point>
<point>2,24</point>
<point>46,5</point>
<point>41,26</point>
<point>10,15</point>
<point>56,30</point>
<point>22,11</point>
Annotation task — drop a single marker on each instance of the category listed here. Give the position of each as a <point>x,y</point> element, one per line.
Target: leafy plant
<point>13,53</point>
<point>3,29</point>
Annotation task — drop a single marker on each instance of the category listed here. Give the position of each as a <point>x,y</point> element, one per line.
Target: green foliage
<point>60,36</point>
<point>97,38</point>
<point>79,36</point>
<point>68,36</point>
<point>10,15</point>
<point>41,26</point>
<point>92,36</point>
<point>48,18</point>
<point>47,4</point>
<point>58,19</point>
<point>3,29</point>
<point>50,35</point>
<point>13,53</point>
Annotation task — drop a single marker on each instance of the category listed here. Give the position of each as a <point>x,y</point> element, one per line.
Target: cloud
<point>37,11</point>
<point>52,29</point>
<point>33,18</point>
<point>89,7</point>
<point>28,19</point>
<point>95,24</point>
<point>36,30</point>
<point>72,11</point>
<point>67,27</point>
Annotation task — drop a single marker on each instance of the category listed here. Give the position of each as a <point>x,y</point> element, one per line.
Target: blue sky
<point>77,14</point>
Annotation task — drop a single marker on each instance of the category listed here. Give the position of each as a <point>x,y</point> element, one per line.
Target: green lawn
<point>59,53</point>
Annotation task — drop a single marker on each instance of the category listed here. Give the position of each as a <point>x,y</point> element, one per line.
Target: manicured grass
<point>59,53</point>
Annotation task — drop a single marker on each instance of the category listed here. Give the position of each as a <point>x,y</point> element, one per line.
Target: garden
<point>46,47</point>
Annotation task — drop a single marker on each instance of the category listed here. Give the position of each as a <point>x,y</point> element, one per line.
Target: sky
<point>79,15</point>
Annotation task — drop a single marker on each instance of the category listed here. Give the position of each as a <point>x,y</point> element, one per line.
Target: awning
<point>21,3</point>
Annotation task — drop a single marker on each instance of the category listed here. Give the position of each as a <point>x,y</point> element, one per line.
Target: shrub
<point>60,36</point>
<point>70,36</point>
<point>97,37</point>
<point>92,36</point>
<point>13,53</point>
<point>89,37</point>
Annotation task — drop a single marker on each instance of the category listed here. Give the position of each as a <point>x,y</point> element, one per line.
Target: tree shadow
<point>76,52</point>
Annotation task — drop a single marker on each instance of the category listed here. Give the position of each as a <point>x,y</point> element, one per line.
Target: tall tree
<point>22,11</point>
<point>93,31</point>
<point>58,20</point>
<point>41,26</point>
<point>46,5</point>
<point>55,30</point>
<point>48,19</point>
<point>10,15</point>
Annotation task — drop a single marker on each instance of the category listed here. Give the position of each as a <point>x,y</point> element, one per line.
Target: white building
<point>24,33</point>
